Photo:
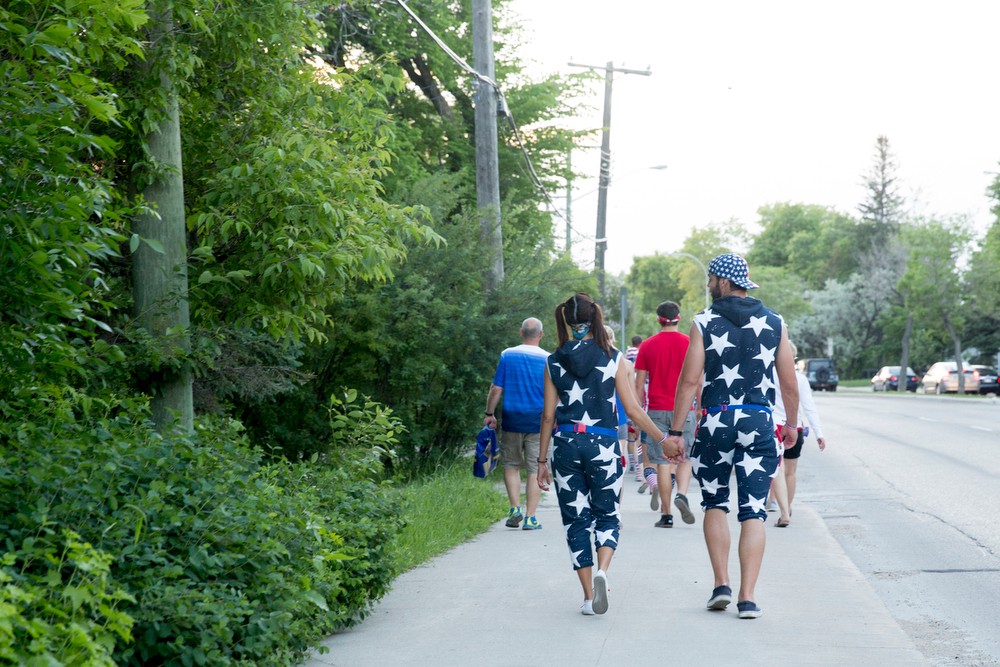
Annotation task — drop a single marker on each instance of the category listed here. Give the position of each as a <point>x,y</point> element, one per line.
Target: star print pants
<point>746,444</point>
<point>588,483</point>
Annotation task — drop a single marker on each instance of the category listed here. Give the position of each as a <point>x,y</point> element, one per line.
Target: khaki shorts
<point>663,419</point>
<point>519,449</point>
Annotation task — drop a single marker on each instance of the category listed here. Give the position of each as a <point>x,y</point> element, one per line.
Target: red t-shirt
<point>662,357</point>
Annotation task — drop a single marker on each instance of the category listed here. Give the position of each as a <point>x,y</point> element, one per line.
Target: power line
<point>503,110</point>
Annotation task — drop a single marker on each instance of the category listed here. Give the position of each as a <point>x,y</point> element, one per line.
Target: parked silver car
<point>942,377</point>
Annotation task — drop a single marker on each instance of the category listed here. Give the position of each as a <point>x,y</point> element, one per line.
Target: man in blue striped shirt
<point>520,379</point>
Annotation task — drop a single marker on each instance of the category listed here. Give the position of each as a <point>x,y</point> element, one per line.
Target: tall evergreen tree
<point>882,210</point>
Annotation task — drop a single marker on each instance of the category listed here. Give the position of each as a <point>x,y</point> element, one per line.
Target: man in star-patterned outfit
<point>738,349</point>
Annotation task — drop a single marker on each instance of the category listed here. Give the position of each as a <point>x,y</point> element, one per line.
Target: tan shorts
<point>519,449</point>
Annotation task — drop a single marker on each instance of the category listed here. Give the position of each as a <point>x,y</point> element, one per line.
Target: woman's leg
<point>791,465</point>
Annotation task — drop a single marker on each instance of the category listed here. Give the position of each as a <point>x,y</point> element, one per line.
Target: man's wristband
<point>542,461</point>
<point>489,414</point>
<point>672,432</point>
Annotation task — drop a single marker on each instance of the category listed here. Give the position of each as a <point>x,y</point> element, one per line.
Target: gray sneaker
<point>682,505</point>
<point>600,592</point>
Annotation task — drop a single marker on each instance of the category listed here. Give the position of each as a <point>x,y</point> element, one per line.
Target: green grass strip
<point>445,510</point>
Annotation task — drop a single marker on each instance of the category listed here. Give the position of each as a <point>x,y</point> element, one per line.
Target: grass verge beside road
<point>446,510</point>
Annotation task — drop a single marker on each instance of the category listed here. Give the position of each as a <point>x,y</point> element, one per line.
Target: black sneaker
<point>682,505</point>
<point>666,521</point>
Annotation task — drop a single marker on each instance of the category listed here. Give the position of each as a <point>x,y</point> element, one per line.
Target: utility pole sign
<point>601,242</point>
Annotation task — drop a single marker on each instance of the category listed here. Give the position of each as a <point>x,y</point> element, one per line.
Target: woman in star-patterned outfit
<point>583,379</point>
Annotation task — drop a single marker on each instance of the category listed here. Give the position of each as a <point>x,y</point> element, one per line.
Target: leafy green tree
<point>934,279</point>
<point>61,219</point>
<point>983,289</point>
<point>814,242</point>
<point>848,314</point>
<point>650,282</point>
<point>781,290</point>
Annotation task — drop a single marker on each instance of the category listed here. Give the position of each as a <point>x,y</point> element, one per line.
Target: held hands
<point>673,448</point>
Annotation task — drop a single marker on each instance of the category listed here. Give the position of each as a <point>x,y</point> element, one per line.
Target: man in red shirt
<point>660,360</point>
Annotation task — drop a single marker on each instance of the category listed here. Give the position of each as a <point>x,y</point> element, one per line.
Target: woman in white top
<point>784,485</point>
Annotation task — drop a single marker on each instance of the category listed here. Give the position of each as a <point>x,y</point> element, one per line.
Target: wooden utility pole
<point>487,167</point>
<point>601,242</point>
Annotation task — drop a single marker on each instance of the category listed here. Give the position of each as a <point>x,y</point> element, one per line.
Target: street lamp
<point>703,270</point>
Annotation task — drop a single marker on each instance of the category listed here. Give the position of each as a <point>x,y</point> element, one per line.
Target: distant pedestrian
<point>622,417</point>
<point>790,462</point>
<point>657,368</point>
<point>583,379</point>
<point>519,379</point>
<point>634,458</point>
<point>737,348</point>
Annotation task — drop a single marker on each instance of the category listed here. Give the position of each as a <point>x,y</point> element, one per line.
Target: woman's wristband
<point>790,425</point>
<point>545,461</point>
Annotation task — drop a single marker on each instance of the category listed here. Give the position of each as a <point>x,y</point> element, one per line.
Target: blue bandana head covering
<point>733,268</point>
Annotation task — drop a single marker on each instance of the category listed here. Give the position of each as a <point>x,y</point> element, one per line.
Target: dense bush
<point>58,605</point>
<point>230,558</point>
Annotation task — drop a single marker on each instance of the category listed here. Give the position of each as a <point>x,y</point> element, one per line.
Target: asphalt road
<point>910,487</point>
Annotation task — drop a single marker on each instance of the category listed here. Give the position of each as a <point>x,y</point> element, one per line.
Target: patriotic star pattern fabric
<point>587,467</point>
<point>733,268</point>
<point>741,340</point>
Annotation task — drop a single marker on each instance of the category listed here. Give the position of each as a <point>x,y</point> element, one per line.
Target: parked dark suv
<point>820,373</point>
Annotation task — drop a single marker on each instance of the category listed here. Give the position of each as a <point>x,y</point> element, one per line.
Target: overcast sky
<point>752,103</point>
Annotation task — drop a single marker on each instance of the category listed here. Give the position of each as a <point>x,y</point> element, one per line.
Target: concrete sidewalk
<point>510,597</point>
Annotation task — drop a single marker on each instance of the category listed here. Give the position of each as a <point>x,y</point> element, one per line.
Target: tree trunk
<point>904,361</point>
<point>958,353</point>
<point>160,281</point>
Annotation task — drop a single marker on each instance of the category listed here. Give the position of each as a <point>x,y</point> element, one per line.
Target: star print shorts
<point>587,471</point>
<point>743,439</point>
